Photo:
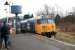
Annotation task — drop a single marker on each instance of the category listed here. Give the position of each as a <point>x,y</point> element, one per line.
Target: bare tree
<point>73,11</point>
<point>47,11</point>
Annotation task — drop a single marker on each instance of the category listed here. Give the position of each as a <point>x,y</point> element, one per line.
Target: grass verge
<point>66,37</point>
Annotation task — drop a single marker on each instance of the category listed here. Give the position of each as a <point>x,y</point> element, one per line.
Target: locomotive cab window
<point>51,21</point>
<point>38,21</point>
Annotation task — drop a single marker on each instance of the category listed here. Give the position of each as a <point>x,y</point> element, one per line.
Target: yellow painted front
<point>39,28</point>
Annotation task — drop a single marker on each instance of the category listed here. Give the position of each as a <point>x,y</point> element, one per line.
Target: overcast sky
<point>31,6</point>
